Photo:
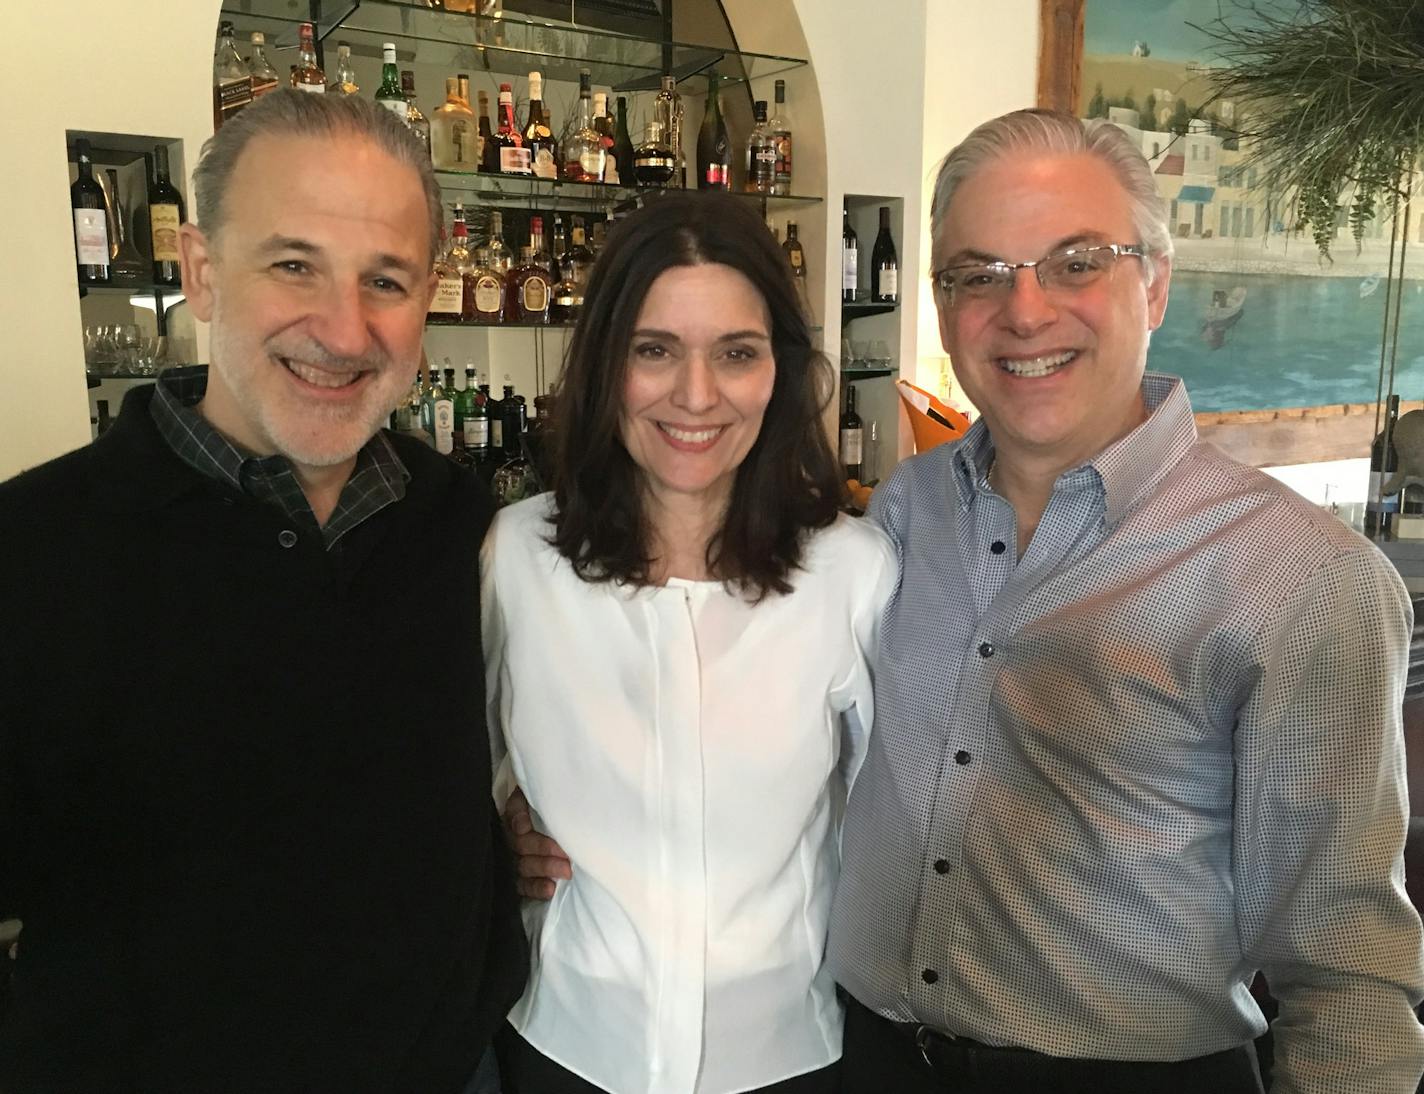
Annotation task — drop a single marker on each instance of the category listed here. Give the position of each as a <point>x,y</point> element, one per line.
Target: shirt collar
<point>1128,469</point>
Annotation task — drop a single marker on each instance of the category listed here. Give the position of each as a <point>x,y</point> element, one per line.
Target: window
<point>1250,222</point>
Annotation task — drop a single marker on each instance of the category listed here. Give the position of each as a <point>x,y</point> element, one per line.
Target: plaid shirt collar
<point>378,479</point>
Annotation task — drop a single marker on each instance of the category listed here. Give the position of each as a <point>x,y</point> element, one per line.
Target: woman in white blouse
<point>678,641</point>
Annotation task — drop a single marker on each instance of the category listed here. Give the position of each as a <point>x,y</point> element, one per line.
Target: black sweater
<point>244,787</point>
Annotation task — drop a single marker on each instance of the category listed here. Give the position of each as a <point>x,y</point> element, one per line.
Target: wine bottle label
<point>544,165</point>
<point>399,107</point>
<point>449,293</point>
<point>487,295</point>
<point>515,161</point>
<point>91,237</point>
<point>477,431</point>
<point>163,226</point>
<point>444,419</point>
<point>534,295</point>
<point>852,445</point>
<point>716,175</point>
<point>850,274</point>
<point>889,282</point>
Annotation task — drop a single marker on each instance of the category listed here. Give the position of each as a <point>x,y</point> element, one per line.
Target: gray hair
<point>1053,132</point>
<point>287,112</point>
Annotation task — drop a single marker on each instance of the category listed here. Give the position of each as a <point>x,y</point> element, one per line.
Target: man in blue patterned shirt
<point>1138,711</point>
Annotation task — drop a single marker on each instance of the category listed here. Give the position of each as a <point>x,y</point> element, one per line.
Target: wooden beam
<point>1060,53</point>
<point>1275,438</point>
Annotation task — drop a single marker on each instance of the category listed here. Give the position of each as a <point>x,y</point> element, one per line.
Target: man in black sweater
<point>244,818</point>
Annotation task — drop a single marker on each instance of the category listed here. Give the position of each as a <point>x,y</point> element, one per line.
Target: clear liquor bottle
<point>264,76</point>
<point>232,82</point>
<point>437,414</point>
<point>500,256</point>
<point>512,152</point>
<point>344,82</point>
<point>453,138</point>
<point>584,154</point>
<point>780,129</point>
<point>306,73</point>
<point>761,154</point>
<point>603,125</point>
<point>389,94</point>
<point>484,292</point>
<point>418,122</point>
<point>537,135</point>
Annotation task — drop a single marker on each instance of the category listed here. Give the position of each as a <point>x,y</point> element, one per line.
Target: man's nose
<point>1027,308</point>
<point>342,321</point>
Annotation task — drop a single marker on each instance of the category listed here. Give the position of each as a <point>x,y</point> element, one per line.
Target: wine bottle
<point>623,146</point>
<point>92,232</point>
<point>1380,510</point>
<point>165,215</point>
<point>852,437</point>
<point>884,264</point>
<point>850,259</point>
<point>713,146</point>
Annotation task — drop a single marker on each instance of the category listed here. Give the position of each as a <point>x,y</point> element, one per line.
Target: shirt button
<point>961,757</point>
<point>287,538</point>
<point>941,866</point>
<point>998,547</point>
<point>986,649</point>
<point>929,976</point>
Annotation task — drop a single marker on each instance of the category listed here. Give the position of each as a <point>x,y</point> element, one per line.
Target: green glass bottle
<point>390,94</point>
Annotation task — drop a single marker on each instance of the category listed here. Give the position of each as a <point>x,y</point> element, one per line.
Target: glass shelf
<point>499,326</point>
<point>510,42</point>
<point>524,189</point>
<point>866,372</point>
<point>140,288</point>
<point>864,307</point>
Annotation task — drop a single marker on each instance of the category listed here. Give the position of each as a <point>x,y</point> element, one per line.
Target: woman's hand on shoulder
<point>539,860</point>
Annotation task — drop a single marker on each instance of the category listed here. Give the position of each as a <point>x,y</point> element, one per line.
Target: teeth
<point>320,377</point>
<point>701,436</point>
<point>1036,366</point>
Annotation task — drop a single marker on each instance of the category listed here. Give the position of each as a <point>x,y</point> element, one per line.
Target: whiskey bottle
<point>453,138</point>
<point>527,294</point>
<point>344,83</point>
<point>794,254</point>
<point>537,135</point>
<point>484,292</point>
<point>509,143</point>
<point>232,82</point>
<point>884,264</point>
<point>389,94</point>
<point>91,222</point>
<point>584,153</point>
<point>418,122</point>
<point>447,304</point>
<point>264,76</point>
<point>165,215</point>
<point>780,130</point>
<point>852,438</point>
<point>579,260</point>
<point>713,146</point>
<point>307,74</point>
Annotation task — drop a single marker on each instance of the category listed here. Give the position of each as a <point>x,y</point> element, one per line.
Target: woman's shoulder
<point>851,542</point>
<point>530,519</point>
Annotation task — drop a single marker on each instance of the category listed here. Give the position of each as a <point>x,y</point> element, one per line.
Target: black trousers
<point>882,1056</point>
<point>523,1069</point>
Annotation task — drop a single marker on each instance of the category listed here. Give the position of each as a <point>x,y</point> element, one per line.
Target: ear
<point>432,283</point>
<point>195,253</point>
<point>1157,291</point>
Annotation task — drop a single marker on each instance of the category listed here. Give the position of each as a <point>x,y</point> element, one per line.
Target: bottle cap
<point>258,38</point>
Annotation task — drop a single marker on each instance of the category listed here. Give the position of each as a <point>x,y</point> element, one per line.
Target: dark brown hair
<point>789,482</point>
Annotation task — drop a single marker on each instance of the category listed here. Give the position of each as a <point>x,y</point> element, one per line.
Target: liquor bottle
<point>603,126</point>
<point>509,144</point>
<point>653,160</point>
<point>437,415</point>
<point>794,254</point>
<point>264,76</point>
<point>884,264</point>
<point>232,82</point>
<point>496,420</point>
<point>453,138</point>
<point>584,154</point>
<point>850,260</point>
<point>515,478</point>
<point>484,292</point>
<point>761,153</point>
<point>500,256</point>
<point>567,295</point>
<point>307,74</point>
<point>623,146</point>
<point>780,130</point>
<point>165,214</point>
<point>667,110</point>
<point>412,404</point>
<point>713,147</point>
<point>91,221</point>
<point>537,135</point>
<point>579,259</point>
<point>489,152</point>
<point>344,82</point>
<point>472,418</point>
<point>418,122</point>
<point>447,304</point>
<point>126,265</point>
<point>514,414</point>
<point>389,94</point>
<point>560,250</point>
<point>1384,460</point>
<point>527,294</point>
<point>852,437</point>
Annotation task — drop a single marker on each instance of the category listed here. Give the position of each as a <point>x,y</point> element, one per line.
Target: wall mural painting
<point>1257,318</point>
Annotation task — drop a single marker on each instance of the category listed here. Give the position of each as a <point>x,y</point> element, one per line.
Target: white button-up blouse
<point>691,752</point>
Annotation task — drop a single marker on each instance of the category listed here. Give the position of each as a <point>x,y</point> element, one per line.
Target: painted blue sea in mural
<point>1295,341</point>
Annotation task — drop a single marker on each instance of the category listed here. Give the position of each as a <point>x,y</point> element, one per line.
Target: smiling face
<point>700,373</point>
<point>316,286</point>
<point>1056,375</point>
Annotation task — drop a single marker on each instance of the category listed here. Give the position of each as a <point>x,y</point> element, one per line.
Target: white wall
<point>137,67</point>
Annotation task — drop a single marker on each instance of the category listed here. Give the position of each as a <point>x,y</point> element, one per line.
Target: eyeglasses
<point>1065,271</point>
